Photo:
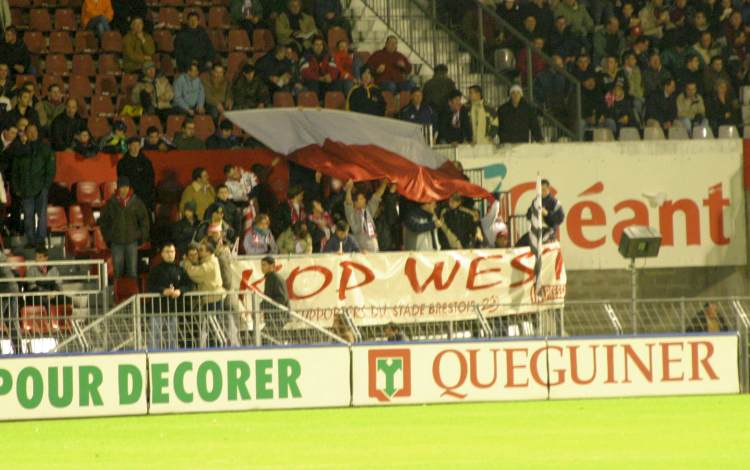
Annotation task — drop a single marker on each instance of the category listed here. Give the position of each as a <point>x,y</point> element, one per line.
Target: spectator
<point>393,333</point>
<point>454,124</point>
<point>461,221</point>
<point>318,70</point>
<point>347,65</point>
<point>183,231</point>
<point>296,240</point>
<point>200,192</point>
<point>230,212</point>
<point>192,45</point>
<point>137,47</point>
<point>215,222</point>
<point>153,92</point>
<point>7,138</point>
<point>84,145</point>
<point>125,225</point>
<point>713,74</point>
<point>553,216</point>
<point>494,230</point>
<point>537,62</point>
<point>517,120</point>
<point>116,141</point>
<point>66,126</point>
<point>263,193</point>
<point>274,288</point>
<point>223,138</point>
<point>576,16</point>
<point>388,221</point>
<point>661,107</point>
<point>218,92</point>
<point>593,110</point>
<point>239,182</point>
<point>328,14</point>
<point>189,95</point>
<point>541,13</point>
<point>5,15</point>
<point>320,225</point>
<point>420,228</point>
<point>483,119</point>
<point>24,108</point>
<point>341,241</point>
<point>655,19</point>
<point>705,48</point>
<point>278,71</point>
<point>691,109</point>
<point>582,66</point>
<point>610,41</point>
<point>128,10</point>
<point>551,89</point>
<point>249,91</point>
<point>635,82</point>
<point>611,75</point>
<point>247,14</point>
<point>510,12</point>
<point>291,212</point>
<point>708,320</point>
<point>360,215</point>
<point>171,281</point>
<point>620,113</point>
<point>417,111</point>
<point>391,68</point>
<point>721,108</point>
<point>155,140</point>
<point>206,274</point>
<point>33,170</point>
<point>51,107</point>
<point>655,74</point>
<point>137,169</point>
<point>259,239</point>
<point>186,139</point>
<point>6,84</point>
<point>562,40</point>
<point>437,89</point>
<point>294,25</point>
<point>366,97</point>
<point>691,73</point>
<point>43,271</point>
<point>96,15</point>
<point>13,52</point>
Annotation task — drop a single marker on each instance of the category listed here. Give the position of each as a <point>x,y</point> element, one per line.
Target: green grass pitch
<point>643,433</point>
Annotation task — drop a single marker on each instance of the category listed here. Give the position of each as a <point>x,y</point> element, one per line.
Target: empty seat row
<point>674,133</point>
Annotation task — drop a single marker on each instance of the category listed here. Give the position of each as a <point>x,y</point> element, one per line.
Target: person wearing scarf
<point>259,239</point>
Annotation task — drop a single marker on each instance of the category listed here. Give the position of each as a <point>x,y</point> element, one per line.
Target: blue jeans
<point>125,259</point>
<point>156,339</point>
<point>394,87</point>
<point>100,24</point>
<point>34,207</point>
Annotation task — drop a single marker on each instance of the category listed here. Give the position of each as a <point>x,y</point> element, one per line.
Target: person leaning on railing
<point>205,272</point>
<point>171,281</point>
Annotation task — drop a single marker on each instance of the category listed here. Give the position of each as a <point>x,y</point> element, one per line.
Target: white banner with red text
<point>691,191</point>
<point>378,288</point>
<point>540,369</point>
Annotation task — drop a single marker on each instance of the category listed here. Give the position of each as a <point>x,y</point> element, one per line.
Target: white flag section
<point>535,235</point>
<point>405,287</point>
<point>285,130</point>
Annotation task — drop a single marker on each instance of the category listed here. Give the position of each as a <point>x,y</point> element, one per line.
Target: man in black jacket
<point>193,44</point>
<point>553,216</point>
<point>275,289</point>
<point>366,97</point>
<point>661,105</point>
<point>462,221</point>
<point>66,126</point>
<point>14,53</point>
<point>139,171</point>
<point>454,124</point>
<point>517,120</point>
<point>171,281</point>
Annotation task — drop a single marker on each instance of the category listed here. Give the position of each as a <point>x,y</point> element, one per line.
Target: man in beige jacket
<point>205,272</point>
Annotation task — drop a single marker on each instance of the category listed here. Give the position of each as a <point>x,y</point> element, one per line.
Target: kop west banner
<point>378,288</point>
<point>691,191</point>
<point>539,369</point>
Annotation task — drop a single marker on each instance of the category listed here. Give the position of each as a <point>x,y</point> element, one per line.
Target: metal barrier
<point>88,274</point>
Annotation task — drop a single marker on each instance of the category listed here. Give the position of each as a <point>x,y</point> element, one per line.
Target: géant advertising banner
<point>67,386</point>
<point>378,288</point>
<point>247,379</point>
<point>541,369</point>
<point>691,191</point>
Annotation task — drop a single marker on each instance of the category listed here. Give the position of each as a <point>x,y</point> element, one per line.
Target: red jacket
<point>344,61</point>
<point>312,68</point>
<point>392,72</point>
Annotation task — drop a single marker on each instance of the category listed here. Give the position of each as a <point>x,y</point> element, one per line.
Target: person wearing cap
<point>366,97</point>
<point>125,224</point>
<point>135,166</point>
<point>517,121</point>
<point>65,127</point>
<point>249,91</point>
<point>137,47</point>
<point>199,191</point>
<point>186,138</point>
<point>454,124</point>
<point>223,139</point>
<point>153,92</point>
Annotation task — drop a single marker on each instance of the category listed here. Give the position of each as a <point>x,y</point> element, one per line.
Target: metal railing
<point>409,20</point>
<point>88,274</point>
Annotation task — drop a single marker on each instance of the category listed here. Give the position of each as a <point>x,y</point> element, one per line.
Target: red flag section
<point>370,162</point>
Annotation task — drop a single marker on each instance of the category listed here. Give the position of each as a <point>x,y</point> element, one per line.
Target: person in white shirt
<point>239,182</point>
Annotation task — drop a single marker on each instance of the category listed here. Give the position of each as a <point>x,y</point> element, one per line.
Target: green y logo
<point>391,362</point>
<point>389,367</point>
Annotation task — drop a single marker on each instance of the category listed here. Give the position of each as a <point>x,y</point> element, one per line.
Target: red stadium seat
<point>125,287</point>
<point>405,98</point>
<point>39,20</point>
<point>57,221</point>
<point>308,99</point>
<point>283,99</point>
<point>238,40</point>
<point>49,80</point>
<point>147,121</point>
<point>18,269</point>
<point>55,64</point>
<point>218,40</point>
<point>101,105</point>
<point>99,127</point>
<point>335,35</point>
<point>80,87</point>
<point>218,18</point>
<point>78,242</point>
<point>170,17</point>
<point>60,316</point>
<point>166,65</point>
<point>87,192</point>
<point>76,217</point>
<point>65,20</point>
<point>83,64</point>
<point>109,63</point>
<point>60,43</point>
<point>21,79</point>
<point>19,19</point>
<point>128,82</point>
<point>235,62</point>
<point>108,190</point>
<point>204,126</point>
<point>35,320</point>
<point>335,100</point>
<point>173,3</point>
<point>164,40</point>
<point>174,124</point>
<point>100,245</point>
<point>263,40</point>
<point>111,41</point>
<point>86,42</point>
<point>106,85</point>
<point>35,42</point>
<point>130,128</point>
